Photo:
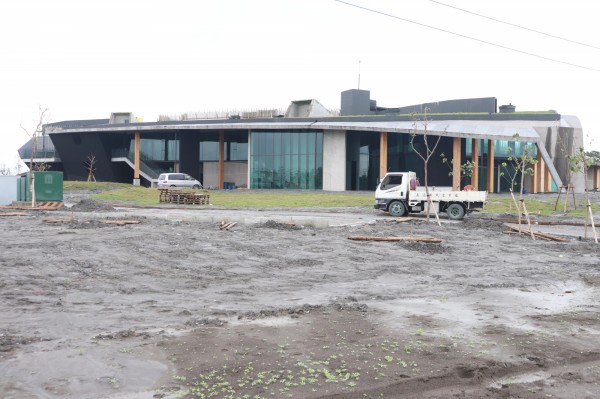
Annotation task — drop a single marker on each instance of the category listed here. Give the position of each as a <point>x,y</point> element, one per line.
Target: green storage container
<point>48,187</point>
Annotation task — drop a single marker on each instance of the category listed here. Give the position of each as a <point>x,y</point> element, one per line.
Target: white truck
<point>400,193</point>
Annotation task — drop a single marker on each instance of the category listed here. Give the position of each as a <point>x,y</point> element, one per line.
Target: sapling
<point>518,166</point>
<point>584,161</point>
<point>425,156</point>
<point>90,165</point>
<point>466,169</point>
<point>35,133</point>
<point>573,165</point>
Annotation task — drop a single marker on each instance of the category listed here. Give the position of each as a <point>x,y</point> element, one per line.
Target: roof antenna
<point>358,74</point>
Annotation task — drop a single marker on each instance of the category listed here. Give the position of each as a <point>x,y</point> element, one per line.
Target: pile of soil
<point>91,205</point>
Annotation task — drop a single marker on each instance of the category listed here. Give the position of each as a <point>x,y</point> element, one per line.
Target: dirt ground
<point>171,308</point>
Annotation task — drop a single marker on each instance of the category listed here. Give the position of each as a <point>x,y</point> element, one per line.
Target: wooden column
<point>596,177</point>
<point>541,173</point>
<point>221,159</point>
<point>383,153</point>
<point>475,161</point>
<point>490,167</point>
<point>136,156</point>
<point>534,179</point>
<point>456,158</point>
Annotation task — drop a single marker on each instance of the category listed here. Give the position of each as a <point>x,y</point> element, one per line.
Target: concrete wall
<point>561,141</point>
<point>591,178</point>
<point>8,189</point>
<point>235,172</point>
<point>306,109</point>
<point>355,102</point>
<point>334,160</point>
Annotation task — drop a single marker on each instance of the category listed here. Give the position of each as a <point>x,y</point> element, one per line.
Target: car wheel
<point>455,211</point>
<point>397,208</point>
<point>196,187</point>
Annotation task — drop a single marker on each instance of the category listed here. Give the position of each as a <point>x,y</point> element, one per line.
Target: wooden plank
<point>408,238</point>
<point>14,214</point>
<point>540,234</point>
<point>55,221</point>
<point>407,219</point>
<point>226,226</point>
<point>121,222</point>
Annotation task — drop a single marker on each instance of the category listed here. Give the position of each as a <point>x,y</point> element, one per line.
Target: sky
<point>86,59</point>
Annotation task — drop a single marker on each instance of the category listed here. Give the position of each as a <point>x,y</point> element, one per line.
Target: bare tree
<point>425,155</point>
<point>90,166</point>
<point>35,133</point>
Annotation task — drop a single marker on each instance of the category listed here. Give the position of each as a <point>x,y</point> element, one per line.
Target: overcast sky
<point>86,59</point>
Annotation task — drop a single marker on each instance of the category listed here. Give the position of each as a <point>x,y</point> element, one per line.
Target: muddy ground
<point>179,308</point>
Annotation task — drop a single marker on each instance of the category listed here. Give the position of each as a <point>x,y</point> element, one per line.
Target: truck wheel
<point>455,211</point>
<point>397,208</point>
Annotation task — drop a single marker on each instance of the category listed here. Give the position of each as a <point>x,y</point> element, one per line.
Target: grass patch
<point>501,203</point>
<point>137,195</point>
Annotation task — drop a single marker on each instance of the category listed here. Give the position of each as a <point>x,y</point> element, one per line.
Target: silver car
<point>166,180</point>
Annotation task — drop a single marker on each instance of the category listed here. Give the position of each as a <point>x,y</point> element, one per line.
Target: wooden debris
<point>55,221</point>
<point>403,220</point>
<point>14,214</point>
<point>408,238</point>
<point>226,226</point>
<point>539,234</point>
<point>538,222</point>
<point>121,222</point>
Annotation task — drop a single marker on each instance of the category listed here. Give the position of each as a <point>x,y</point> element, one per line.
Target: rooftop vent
<point>121,117</point>
<point>506,109</point>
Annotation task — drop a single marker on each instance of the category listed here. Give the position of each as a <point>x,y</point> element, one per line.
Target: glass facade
<point>401,156</point>
<point>290,159</point>
<point>502,173</point>
<point>362,160</point>
<point>155,150</point>
<point>236,147</point>
<point>503,148</point>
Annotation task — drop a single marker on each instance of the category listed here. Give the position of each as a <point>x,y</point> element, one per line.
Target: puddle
<point>521,379</point>
<point>267,322</point>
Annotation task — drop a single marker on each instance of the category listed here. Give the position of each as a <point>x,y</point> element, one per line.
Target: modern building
<point>310,148</point>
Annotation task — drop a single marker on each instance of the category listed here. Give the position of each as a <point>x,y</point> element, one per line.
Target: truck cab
<point>392,188</point>
<point>400,193</point>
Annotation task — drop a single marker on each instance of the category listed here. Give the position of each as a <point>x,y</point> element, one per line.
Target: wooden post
<point>541,172</point>
<point>490,167</point>
<point>475,161</point>
<point>534,179</point>
<point>456,159</point>
<point>383,153</point>
<point>221,159</point>
<point>596,177</point>
<point>136,155</point>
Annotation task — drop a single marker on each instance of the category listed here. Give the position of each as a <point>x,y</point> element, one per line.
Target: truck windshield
<point>391,181</point>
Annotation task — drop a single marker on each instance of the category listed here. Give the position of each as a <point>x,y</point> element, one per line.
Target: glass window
<point>238,151</point>
<point>288,159</point>
<point>209,151</point>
